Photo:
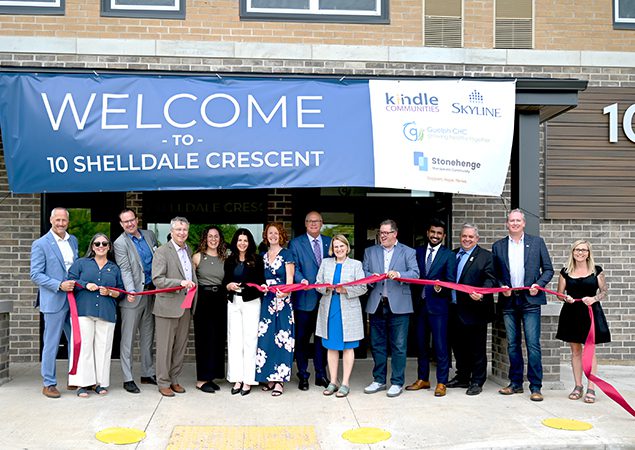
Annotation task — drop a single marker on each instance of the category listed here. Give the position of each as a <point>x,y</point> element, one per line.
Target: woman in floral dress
<point>276,334</point>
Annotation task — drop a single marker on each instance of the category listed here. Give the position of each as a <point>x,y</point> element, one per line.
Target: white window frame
<point>25,7</point>
<point>621,22</point>
<point>110,8</point>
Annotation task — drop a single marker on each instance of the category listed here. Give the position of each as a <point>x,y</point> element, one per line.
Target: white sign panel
<point>444,135</point>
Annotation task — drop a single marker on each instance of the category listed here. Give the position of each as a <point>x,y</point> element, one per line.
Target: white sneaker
<point>374,387</point>
<point>394,391</point>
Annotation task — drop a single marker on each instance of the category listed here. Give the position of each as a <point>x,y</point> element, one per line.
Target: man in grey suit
<point>134,249</point>
<point>522,260</point>
<point>389,306</point>
<point>51,257</point>
<point>171,267</point>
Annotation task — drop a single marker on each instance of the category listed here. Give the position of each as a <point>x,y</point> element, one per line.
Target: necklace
<point>211,258</point>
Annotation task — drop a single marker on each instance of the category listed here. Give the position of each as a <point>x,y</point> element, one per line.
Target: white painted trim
<point>317,52</point>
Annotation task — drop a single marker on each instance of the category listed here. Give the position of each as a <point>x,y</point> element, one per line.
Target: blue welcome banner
<point>89,132</point>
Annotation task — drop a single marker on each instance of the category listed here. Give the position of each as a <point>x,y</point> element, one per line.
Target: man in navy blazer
<point>308,252</point>
<point>522,260</point>
<point>436,262</point>
<point>471,312</point>
<point>389,306</point>
<point>51,257</point>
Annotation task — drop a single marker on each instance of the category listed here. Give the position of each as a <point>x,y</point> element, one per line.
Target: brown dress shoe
<point>536,397</point>
<point>177,388</point>
<point>51,392</point>
<point>166,392</point>
<point>70,387</point>
<point>417,385</point>
<point>440,390</point>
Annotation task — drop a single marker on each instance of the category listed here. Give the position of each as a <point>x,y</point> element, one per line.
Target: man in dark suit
<point>171,267</point>
<point>51,257</point>
<point>389,306</point>
<point>470,313</point>
<point>436,262</point>
<point>308,252</point>
<point>522,260</point>
<point>134,249</point>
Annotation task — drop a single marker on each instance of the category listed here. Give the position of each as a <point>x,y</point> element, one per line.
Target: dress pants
<point>242,340</point>
<point>469,343</point>
<point>93,366</point>
<point>210,333</point>
<point>391,329</point>
<point>171,336</point>
<point>132,319</point>
<point>305,322</point>
<point>54,324</point>
<point>438,325</point>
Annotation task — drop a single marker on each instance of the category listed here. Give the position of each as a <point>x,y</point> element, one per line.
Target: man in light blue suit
<point>51,257</point>
<point>308,252</point>
<point>389,306</point>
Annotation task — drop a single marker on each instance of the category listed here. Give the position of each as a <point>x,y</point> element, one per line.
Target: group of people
<point>238,306</point>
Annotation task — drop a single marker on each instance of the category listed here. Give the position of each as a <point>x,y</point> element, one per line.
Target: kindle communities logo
<point>421,161</point>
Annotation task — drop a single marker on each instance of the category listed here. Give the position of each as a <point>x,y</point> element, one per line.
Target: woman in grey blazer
<point>339,321</point>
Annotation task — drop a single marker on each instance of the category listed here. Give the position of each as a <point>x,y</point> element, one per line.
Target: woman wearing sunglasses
<point>97,309</point>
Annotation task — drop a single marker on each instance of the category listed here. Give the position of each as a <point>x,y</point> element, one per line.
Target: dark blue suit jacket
<point>538,268</point>
<point>443,269</point>
<point>306,268</point>
<point>478,272</point>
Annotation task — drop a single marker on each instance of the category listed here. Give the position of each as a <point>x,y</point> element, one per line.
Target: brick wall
<point>614,240</point>
<point>559,25</point>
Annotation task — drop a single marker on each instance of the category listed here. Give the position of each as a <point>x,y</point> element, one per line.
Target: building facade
<point>584,40</point>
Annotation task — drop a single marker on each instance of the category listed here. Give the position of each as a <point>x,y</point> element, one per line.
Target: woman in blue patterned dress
<point>276,334</point>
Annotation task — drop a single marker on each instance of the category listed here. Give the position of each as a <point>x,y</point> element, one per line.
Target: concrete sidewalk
<point>416,420</point>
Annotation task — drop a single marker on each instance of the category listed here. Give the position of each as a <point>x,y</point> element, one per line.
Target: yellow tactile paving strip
<point>246,438</point>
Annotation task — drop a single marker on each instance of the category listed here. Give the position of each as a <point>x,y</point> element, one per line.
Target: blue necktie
<point>459,255</point>
<point>429,259</point>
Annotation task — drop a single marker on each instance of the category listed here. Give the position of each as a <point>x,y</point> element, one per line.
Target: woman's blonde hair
<point>590,262</point>
<point>343,240</point>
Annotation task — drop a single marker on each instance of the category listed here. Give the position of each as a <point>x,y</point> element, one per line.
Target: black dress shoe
<point>303,385</point>
<point>244,392</point>
<point>131,387</point>
<point>236,390</point>
<point>474,389</point>
<point>456,383</point>
<point>205,387</point>
<point>213,385</point>
<point>149,380</point>
<point>323,382</point>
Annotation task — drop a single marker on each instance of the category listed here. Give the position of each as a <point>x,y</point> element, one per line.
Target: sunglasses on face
<point>101,244</point>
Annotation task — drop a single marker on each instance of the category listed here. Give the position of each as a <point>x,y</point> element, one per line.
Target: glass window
<point>623,14</point>
<point>32,7</point>
<point>343,11</point>
<point>157,9</point>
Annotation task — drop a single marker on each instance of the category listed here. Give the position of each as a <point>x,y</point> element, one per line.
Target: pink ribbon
<point>587,353</point>
<point>72,302</point>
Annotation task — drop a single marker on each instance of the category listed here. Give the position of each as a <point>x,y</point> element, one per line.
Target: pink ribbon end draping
<point>77,337</point>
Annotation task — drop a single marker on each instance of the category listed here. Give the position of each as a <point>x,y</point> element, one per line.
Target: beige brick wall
<point>559,25</point>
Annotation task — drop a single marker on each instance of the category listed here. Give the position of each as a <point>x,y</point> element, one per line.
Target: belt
<point>149,287</point>
<point>210,288</point>
<point>384,301</point>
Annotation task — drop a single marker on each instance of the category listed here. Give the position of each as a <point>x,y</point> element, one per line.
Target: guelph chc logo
<point>412,133</point>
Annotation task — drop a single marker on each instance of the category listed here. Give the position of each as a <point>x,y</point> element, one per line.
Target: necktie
<point>429,259</point>
<point>459,255</point>
<point>317,252</point>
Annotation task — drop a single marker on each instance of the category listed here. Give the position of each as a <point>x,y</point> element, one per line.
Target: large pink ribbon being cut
<point>72,302</point>
<point>589,347</point>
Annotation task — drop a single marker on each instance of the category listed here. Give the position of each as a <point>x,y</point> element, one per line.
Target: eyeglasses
<point>101,244</point>
<point>581,250</point>
<point>313,221</point>
<point>129,221</point>
<point>386,233</point>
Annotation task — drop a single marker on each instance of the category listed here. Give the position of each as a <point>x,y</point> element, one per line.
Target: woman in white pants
<point>243,310</point>
<point>97,310</point>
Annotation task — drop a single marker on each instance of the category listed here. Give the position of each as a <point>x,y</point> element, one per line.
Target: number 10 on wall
<point>627,122</point>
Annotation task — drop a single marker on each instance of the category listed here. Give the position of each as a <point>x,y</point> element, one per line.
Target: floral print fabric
<point>276,333</point>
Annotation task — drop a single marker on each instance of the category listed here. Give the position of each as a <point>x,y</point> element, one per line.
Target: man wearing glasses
<point>308,252</point>
<point>134,250</point>
<point>389,307</point>
<point>522,260</point>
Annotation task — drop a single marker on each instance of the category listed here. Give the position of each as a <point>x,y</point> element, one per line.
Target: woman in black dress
<point>582,279</point>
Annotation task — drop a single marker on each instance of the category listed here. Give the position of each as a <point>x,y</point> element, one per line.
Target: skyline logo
<point>421,161</point>
<point>476,107</point>
<point>412,133</point>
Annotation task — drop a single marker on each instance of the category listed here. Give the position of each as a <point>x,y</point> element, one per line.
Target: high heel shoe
<point>236,390</point>
<point>244,391</point>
